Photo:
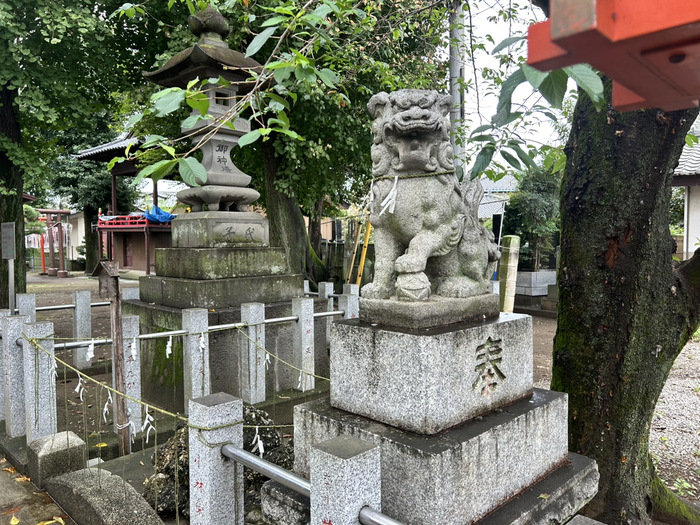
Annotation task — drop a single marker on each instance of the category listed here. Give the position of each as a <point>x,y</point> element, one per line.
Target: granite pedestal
<point>429,380</point>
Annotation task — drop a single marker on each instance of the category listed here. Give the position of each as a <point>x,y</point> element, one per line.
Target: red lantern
<point>650,48</point>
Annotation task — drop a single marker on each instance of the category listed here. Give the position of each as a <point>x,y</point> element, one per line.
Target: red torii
<point>650,48</point>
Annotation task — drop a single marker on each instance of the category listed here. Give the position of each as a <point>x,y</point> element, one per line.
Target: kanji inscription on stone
<point>488,358</point>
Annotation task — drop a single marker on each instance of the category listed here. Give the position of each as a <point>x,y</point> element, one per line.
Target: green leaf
<point>249,137</point>
<point>282,74</point>
<point>522,155</point>
<point>274,21</point>
<point>506,43</point>
<point>504,99</point>
<point>152,140</point>
<point>482,128</point>
<point>113,162</point>
<point>133,120</point>
<point>691,140</point>
<point>169,149</point>
<point>290,133</point>
<point>199,101</point>
<point>533,76</point>
<point>192,171</point>
<point>259,41</point>
<point>168,101</point>
<point>553,87</point>
<point>279,100</point>
<point>157,171</point>
<point>328,77</point>
<point>588,80</point>
<point>510,159</point>
<point>483,159</point>
<point>192,121</point>
<point>483,138</point>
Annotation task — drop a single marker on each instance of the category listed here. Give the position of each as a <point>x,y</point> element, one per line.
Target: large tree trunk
<point>287,227</point>
<point>624,312</point>
<point>11,190</point>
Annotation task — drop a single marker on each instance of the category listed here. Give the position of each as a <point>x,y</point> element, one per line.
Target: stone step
<point>459,475</point>
<point>553,499</point>
<point>180,292</point>
<point>429,380</point>
<point>220,263</point>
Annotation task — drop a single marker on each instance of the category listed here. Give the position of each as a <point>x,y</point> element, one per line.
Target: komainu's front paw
<point>413,287</point>
<point>376,291</point>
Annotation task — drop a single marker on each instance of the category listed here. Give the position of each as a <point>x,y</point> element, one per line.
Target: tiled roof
<point>116,146</point>
<point>689,163</point>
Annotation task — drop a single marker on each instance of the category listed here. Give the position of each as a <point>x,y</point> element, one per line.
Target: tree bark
<point>92,255</point>
<point>624,312</point>
<point>287,227</point>
<point>11,191</point>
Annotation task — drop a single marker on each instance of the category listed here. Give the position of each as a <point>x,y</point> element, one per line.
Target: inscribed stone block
<point>39,381</point>
<point>216,484</point>
<point>54,455</point>
<point>460,475</point>
<point>303,342</point>
<point>429,380</point>
<point>212,229</point>
<point>345,476</point>
<point>132,368</point>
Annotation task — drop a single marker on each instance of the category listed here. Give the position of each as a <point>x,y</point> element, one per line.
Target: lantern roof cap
<point>210,57</point>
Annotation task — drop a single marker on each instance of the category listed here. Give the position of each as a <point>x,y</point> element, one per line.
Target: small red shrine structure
<point>650,48</point>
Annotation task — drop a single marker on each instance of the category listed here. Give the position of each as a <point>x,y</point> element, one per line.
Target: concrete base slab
<point>212,229</point>
<point>437,311</point>
<point>458,476</point>
<point>426,381</point>
<point>98,497</point>
<point>219,293</point>
<point>567,490</point>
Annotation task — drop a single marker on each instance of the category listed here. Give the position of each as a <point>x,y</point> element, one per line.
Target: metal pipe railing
<point>272,471</point>
<point>64,307</point>
<point>368,516</point>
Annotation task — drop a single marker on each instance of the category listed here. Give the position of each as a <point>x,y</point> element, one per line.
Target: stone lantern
<point>226,189</point>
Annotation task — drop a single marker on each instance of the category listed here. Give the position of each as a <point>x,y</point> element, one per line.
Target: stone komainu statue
<point>428,238</point>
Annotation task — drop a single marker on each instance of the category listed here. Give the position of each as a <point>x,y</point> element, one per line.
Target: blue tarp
<point>158,216</point>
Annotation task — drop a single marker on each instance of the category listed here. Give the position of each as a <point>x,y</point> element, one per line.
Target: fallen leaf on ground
<point>22,478</point>
<point>11,470</point>
<point>544,495</point>
<point>14,520</point>
<point>12,510</point>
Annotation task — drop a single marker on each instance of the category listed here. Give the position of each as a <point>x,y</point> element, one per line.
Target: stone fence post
<point>303,341</point>
<point>26,305</point>
<point>325,289</point>
<point>345,476</point>
<point>132,370</point>
<point>351,289</point>
<point>252,354</point>
<point>13,374</point>
<point>3,313</point>
<point>195,345</point>
<point>39,381</point>
<point>508,271</point>
<point>216,484</point>
<point>350,305</point>
<point>82,327</point>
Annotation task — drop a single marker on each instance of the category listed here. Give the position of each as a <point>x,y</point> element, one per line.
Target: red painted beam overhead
<point>650,48</point>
